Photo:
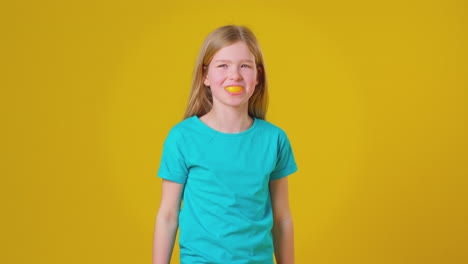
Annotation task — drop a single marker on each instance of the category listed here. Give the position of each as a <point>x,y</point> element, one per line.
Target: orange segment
<point>234,89</point>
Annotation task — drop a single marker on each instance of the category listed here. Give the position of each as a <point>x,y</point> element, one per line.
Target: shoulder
<point>271,128</point>
<point>274,134</point>
<point>181,128</point>
<point>183,125</point>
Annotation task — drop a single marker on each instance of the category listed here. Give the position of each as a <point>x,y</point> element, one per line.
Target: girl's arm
<point>283,232</point>
<point>167,222</point>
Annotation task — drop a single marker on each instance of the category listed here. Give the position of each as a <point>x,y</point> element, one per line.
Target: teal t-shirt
<point>226,215</point>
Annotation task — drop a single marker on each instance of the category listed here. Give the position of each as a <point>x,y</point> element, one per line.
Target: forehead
<point>238,51</point>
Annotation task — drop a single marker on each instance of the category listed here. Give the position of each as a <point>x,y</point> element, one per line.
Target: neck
<point>228,119</point>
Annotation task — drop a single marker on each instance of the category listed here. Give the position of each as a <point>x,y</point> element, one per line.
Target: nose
<point>234,74</point>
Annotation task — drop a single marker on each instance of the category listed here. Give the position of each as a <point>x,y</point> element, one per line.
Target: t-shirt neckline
<point>209,129</point>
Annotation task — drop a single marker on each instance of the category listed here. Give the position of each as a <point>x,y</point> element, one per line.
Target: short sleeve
<point>286,164</point>
<point>172,166</point>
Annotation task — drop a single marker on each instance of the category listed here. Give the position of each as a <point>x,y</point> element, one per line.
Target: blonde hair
<point>200,99</point>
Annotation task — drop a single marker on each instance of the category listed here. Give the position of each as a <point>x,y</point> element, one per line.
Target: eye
<point>246,66</point>
<point>222,66</point>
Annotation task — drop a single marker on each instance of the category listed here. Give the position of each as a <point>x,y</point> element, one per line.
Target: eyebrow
<point>251,61</point>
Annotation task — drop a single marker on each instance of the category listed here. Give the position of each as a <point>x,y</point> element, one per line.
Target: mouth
<point>234,89</point>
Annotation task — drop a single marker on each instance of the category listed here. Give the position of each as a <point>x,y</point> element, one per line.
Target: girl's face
<point>232,65</point>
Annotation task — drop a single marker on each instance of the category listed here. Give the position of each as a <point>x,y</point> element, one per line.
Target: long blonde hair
<point>201,100</point>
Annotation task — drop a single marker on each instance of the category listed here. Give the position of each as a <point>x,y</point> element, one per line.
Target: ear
<point>259,73</point>
<point>206,81</point>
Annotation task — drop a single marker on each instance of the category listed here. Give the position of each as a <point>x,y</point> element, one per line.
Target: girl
<point>226,164</point>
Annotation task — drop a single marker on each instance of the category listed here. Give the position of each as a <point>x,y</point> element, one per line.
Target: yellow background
<point>373,95</point>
